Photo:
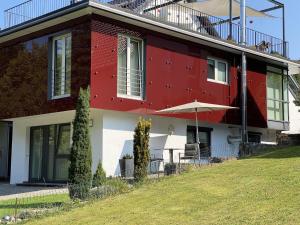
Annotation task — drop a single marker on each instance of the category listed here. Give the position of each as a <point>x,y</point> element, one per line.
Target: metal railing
<point>31,9</point>
<point>130,82</point>
<point>165,11</point>
<point>294,86</point>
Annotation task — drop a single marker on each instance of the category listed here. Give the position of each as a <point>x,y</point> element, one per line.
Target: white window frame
<point>141,63</point>
<point>217,61</point>
<point>59,37</point>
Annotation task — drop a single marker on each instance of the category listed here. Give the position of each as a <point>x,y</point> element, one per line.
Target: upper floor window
<point>61,66</point>
<point>277,94</point>
<point>217,71</point>
<point>130,67</point>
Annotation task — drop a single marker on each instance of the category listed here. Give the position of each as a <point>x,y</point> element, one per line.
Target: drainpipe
<point>230,19</point>
<point>283,32</point>
<point>244,72</point>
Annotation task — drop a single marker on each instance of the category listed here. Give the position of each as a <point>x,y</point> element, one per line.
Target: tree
<point>80,173</point>
<point>141,149</point>
<point>99,177</point>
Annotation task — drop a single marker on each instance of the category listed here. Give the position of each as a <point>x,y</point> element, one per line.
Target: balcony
<point>165,11</point>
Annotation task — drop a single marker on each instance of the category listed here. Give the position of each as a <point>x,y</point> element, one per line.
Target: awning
<point>221,8</point>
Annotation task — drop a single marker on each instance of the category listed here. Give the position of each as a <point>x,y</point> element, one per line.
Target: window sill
<point>138,98</point>
<point>60,97</point>
<point>216,81</point>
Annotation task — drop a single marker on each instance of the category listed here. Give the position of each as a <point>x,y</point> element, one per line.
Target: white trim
<point>216,80</point>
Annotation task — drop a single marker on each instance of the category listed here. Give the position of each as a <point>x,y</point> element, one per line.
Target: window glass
<point>58,69</point>
<point>217,70</point>
<point>135,76</point>
<point>61,66</point>
<point>277,95</point>
<point>130,69</point>
<point>211,69</point>
<point>64,140</point>
<point>222,72</point>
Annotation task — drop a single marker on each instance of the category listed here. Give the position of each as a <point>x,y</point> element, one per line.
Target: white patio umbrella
<point>221,8</point>
<point>195,107</point>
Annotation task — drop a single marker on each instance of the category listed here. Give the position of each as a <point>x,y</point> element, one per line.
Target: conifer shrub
<point>141,149</point>
<point>99,177</point>
<point>80,174</point>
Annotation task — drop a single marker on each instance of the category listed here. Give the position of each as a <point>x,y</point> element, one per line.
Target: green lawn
<point>259,190</point>
<point>7,207</point>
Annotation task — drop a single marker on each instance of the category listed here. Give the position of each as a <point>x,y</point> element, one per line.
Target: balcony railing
<point>165,11</point>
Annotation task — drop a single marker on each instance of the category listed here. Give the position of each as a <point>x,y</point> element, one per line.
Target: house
<point>136,61</point>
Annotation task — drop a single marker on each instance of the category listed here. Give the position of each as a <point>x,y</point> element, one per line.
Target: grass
<point>7,207</point>
<point>259,190</point>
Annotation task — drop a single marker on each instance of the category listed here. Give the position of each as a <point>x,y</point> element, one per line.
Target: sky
<point>270,26</point>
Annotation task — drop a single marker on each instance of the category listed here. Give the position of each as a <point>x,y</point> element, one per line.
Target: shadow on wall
<point>156,147</point>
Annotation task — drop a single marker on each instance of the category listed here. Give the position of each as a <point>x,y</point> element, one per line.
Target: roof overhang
<point>89,8</point>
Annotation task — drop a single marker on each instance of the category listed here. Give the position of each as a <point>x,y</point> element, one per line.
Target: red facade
<point>176,73</point>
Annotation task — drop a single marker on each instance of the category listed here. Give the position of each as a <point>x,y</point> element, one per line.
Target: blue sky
<point>269,25</point>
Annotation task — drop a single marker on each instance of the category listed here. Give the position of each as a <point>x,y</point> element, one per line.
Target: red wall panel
<point>176,73</point>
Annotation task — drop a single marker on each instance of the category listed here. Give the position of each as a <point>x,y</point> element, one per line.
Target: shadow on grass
<point>21,205</point>
<point>282,153</point>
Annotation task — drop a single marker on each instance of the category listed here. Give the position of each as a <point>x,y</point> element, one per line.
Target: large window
<point>61,66</point>
<point>130,67</point>
<point>50,148</point>
<point>277,94</point>
<point>217,71</point>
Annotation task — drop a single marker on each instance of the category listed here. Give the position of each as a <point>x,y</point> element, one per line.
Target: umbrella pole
<point>197,135</point>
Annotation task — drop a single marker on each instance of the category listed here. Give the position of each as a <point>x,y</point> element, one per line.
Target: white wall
<point>21,140</point>
<point>118,130</point>
<point>294,116</point>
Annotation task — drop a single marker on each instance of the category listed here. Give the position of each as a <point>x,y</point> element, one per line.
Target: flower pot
<point>126,167</point>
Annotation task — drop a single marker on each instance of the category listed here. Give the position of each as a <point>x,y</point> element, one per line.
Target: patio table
<point>171,152</point>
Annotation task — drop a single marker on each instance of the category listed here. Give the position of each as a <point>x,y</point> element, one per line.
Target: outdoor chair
<point>157,159</point>
<point>191,152</point>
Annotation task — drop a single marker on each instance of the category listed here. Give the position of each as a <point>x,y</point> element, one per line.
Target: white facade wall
<point>112,137</point>
<point>294,116</point>
<point>21,140</point>
<point>118,130</point>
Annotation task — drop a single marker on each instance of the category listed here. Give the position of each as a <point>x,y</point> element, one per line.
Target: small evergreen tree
<point>141,149</point>
<point>80,174</point>
<point>99,177</point>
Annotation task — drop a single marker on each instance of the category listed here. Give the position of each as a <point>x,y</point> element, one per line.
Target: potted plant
<point>127,166</point>
<point>170,168</point>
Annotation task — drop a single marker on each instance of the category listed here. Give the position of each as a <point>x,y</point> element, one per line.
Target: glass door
<point>36,153</point>
<point>50,153</point>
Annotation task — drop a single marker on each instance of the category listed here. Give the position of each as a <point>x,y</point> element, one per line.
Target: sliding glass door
<point>50,153</point>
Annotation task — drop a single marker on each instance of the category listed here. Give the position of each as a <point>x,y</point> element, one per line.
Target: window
<point>50,149</point>
<point>61,66</point>
<point>217,71</point>
<point>277,94</point>
<point>130,67</point>
<point>204,138</point>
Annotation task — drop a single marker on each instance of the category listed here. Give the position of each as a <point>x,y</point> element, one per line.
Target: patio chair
<point>157,159</point>
<point>191,152</point>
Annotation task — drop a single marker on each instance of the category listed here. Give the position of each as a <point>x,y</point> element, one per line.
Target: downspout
<point>244,72</point>
<point>230,19</point>
<point>283,32</point>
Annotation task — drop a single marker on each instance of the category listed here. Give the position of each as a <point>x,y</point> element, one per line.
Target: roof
<point>118,13</point>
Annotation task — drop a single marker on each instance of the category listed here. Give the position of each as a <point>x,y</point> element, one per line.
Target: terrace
<point>171,12</point>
